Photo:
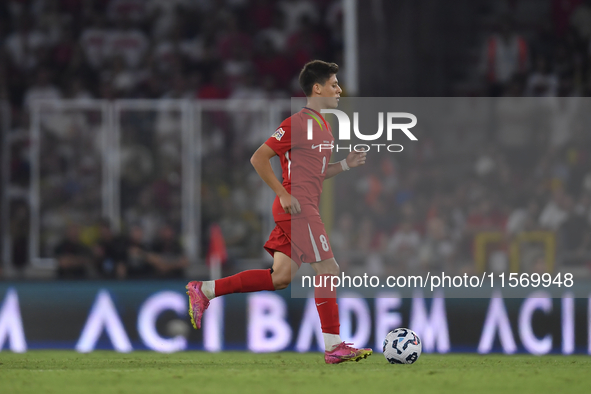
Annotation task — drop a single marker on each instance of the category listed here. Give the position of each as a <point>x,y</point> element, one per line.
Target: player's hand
<point>290,204</point>
<point>356,159</point>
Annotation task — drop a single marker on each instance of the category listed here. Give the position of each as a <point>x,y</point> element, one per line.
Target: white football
<point>402,346</point>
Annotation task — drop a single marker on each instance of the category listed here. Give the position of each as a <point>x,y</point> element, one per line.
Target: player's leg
<point>310,235</point>
<point>310,238</point>
<point>283,271</point>
<point>326,302</point>
<point>335,349</point>
<point>276,278</point>
<point>200,293</point>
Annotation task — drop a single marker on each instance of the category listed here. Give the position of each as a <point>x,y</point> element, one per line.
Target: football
<point>402,346</point>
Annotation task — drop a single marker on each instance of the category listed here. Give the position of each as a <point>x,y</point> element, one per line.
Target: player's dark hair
<point>316,71</point>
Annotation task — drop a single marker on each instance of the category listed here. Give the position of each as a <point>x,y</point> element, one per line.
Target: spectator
<point>542,82</point>
<point>365,236</point>
<point>164,14</point>
<point>94,40</point>
<point>276,33</point>
<point>563,117</point>
<point>145,214</point>
<point>404,246</point>
<point>139,259</point>
<point>19,217</point>
<point>122,79</point>
<point>53,22</point>
<point>334,20</point>
<point>217,88</point>
<point>484,217</point>
<point>248,88</point>
<point>269,62</point>
<point>24,45</point>
<point>305,43</point>
<point>581,20</point>
<point>179,88</point>
<point>555,213</point>
<point>194,49</point>
<point>127,42</point>
<point>505,54</point>
<point>575,234</point>
<point>167,51</point>
<point>169,259</point>
<point>437,249</point>
<point>43,89</point>
<point>76,90</point>
<point>271,91</point>
<point>516,126</point>
<point>133,10</point>
<point>564,61</point>
<point>261,14</point>
<point>73,257</point>
<point>63,51</point>
<point>341,238</point>
<point>523,218</point>
<point>109,252</point>
<point>295,10</point>
<point>232,37</point>
<point>561,14</point>
<point>238,65</point>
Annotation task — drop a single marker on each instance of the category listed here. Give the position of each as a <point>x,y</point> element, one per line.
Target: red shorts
<point>303,239</point>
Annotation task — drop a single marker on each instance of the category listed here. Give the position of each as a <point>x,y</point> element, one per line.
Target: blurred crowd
<point>424,213</point>
<point>422,210</point>
<point>106,255</point>
<point>210,49</point>
<point>527,175</point>
<point>522,177</point>
<point>154,49</point>
<point>546,57</point>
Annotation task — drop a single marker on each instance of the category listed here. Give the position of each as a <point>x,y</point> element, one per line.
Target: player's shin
<point>243,282</point>
<point>328,311</point>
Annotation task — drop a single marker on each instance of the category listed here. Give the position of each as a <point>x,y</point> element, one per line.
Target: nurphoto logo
<point>345,131</point>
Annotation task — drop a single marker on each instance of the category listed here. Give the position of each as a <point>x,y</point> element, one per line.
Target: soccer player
<point>299,236</point>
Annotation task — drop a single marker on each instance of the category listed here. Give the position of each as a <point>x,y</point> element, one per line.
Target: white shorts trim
<point>316,253</point>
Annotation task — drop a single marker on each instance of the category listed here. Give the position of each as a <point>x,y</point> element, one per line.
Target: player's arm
<point>354,159</point>
<point>260,160</point>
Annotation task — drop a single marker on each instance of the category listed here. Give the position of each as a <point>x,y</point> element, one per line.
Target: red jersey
<point>303,161</point>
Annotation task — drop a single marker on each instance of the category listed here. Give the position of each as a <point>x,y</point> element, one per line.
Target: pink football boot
<point>198,302</point>
<point>345,352</point>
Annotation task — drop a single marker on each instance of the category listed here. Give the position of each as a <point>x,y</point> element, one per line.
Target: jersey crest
<point>278,134</point>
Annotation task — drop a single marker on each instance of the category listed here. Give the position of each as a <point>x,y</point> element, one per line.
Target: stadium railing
<point>104,127</point>
<point>5,121</point>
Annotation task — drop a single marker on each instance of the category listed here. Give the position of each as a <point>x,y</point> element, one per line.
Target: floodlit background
<point>163,172</point>
<point>127,128</point>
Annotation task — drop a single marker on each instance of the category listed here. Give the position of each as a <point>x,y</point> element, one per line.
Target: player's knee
<point>327,267</point>
<point>334,270</point>
<point>281,280</point>
<point>331,272</point>
<point>281,284</point>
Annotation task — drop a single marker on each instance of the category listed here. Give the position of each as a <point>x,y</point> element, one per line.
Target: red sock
<point>245,282</point>
<point>326,304</point>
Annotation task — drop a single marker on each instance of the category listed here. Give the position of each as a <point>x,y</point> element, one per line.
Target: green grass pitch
<point>240,372</point>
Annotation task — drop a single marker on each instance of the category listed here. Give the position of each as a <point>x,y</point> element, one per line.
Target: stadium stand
<point>208,49</point>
